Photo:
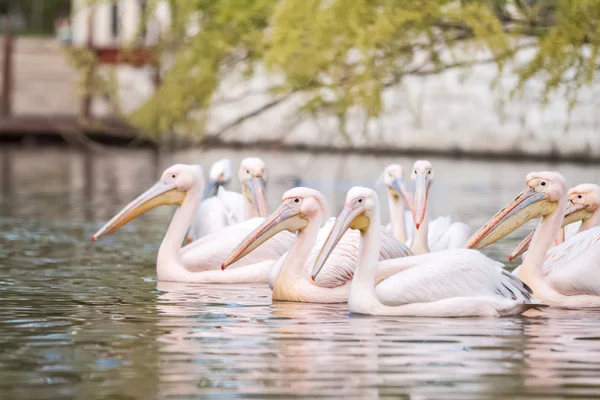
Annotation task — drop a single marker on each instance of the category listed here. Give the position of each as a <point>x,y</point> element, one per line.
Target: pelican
<point>304,210</point>
<point>580,216</point>
<point>449,283</point>
<point>227,207</point>
<point>441,233</point>
<point>200,261</point>
<point>219,175</point>
<point>569,276</point>
<point>401,220</point>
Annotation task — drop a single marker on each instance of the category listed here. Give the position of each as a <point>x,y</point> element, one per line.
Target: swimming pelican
<point>569,276</point>
<point>401,220</point>
<point>304,210</point>
<point>227,207</point>
<point>449,283</point>
<point>200,261</point>
<point>580,216</point>
<point>441,233</point>
<point>219,175</point>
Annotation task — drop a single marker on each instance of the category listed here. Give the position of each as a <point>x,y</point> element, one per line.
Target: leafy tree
<point>342,54</point>
<point>39,15</point>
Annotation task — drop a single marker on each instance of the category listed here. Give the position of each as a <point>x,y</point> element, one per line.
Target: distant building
<point>118,22</point>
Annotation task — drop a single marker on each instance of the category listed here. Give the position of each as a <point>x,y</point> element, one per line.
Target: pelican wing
<point>233,202</point>
<point>437,228</point>
<point>216,213</point>
<point>449,274</point>
<point>211,250</point>
<point>212,216</point>
<point>573,267</point>
<point>454,237</point>
<point>341,263</point>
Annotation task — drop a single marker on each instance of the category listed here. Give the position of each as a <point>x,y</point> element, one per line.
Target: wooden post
<point>86,101</point>
<point>7,74</point>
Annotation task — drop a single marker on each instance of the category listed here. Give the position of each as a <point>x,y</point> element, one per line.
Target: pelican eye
<point>543,183</point>
<point>296,200</point>
<point>360,200</point>
<point>580,196</point>
<point>247,171</point>
<point>173,176</point>
<point>429,172</point>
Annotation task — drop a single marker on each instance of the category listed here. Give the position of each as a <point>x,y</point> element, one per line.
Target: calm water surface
<point>90,321</point>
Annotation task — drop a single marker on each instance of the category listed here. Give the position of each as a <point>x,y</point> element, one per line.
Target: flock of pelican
<point>415,266</point>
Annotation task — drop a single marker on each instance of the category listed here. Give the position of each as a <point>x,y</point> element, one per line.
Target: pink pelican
<point>200,261</point>
<point>401,220</point>
<point>449,283</point>
<point>220,208</point>
<point>570,276</point>
<point>441,233</point>
<point>303,210</point>
<point>580,216</point>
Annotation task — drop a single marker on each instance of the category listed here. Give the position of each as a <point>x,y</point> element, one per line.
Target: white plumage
<point>457,282</point>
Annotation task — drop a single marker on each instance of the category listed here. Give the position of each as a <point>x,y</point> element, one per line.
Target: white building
<point>117,22</point>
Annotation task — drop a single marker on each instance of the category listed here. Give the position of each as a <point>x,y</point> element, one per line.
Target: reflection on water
<point>90,321</point>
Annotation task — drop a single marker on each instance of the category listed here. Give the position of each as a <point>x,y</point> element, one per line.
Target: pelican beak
<point>400,189</point>
<point>284,218</point>
<point>256,187</point>
<point>211,189</point>
<point>525,207</point>
<point>349,218</point>
<point>421,192</point>
<point>158,195</point>
<point>574,213</point>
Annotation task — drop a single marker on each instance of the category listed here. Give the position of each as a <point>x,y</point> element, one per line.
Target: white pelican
<point>219,175</point>
<point>569,276</point>
<point>227,207</point>
<point>401,220</point>
<point>200,261</point>
<point>449,283</point>
<point>304,210</point>
<point>580,216</point>
<point>441,233</point>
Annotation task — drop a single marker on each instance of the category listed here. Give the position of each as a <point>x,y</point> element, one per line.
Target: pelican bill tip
<point>223,266</point>
<point>312,277</point>
<point>94,238</point>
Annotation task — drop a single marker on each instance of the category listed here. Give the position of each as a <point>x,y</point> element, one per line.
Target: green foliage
<point>341,54</point>
<point>39,15</point>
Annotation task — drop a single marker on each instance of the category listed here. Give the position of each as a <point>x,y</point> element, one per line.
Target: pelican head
<point>393,177</point>
<point>172,188</point>
<point>220,174</point>
<point>361,204</point>
<point>422,175</point>
<point>298,207</point>
<point>253,175</point>
<point>540,199</point>
<point>584,200</point>
<point>585,196</point>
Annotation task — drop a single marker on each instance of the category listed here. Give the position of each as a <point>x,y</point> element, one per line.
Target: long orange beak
<point>349,218</point>
<point>258,198</point>
<point>574,213</point>
<point>399,187</point>
<point>422,185</point>
<point>284,218</point>
<point>159,194</point>
<point>526,206</point>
